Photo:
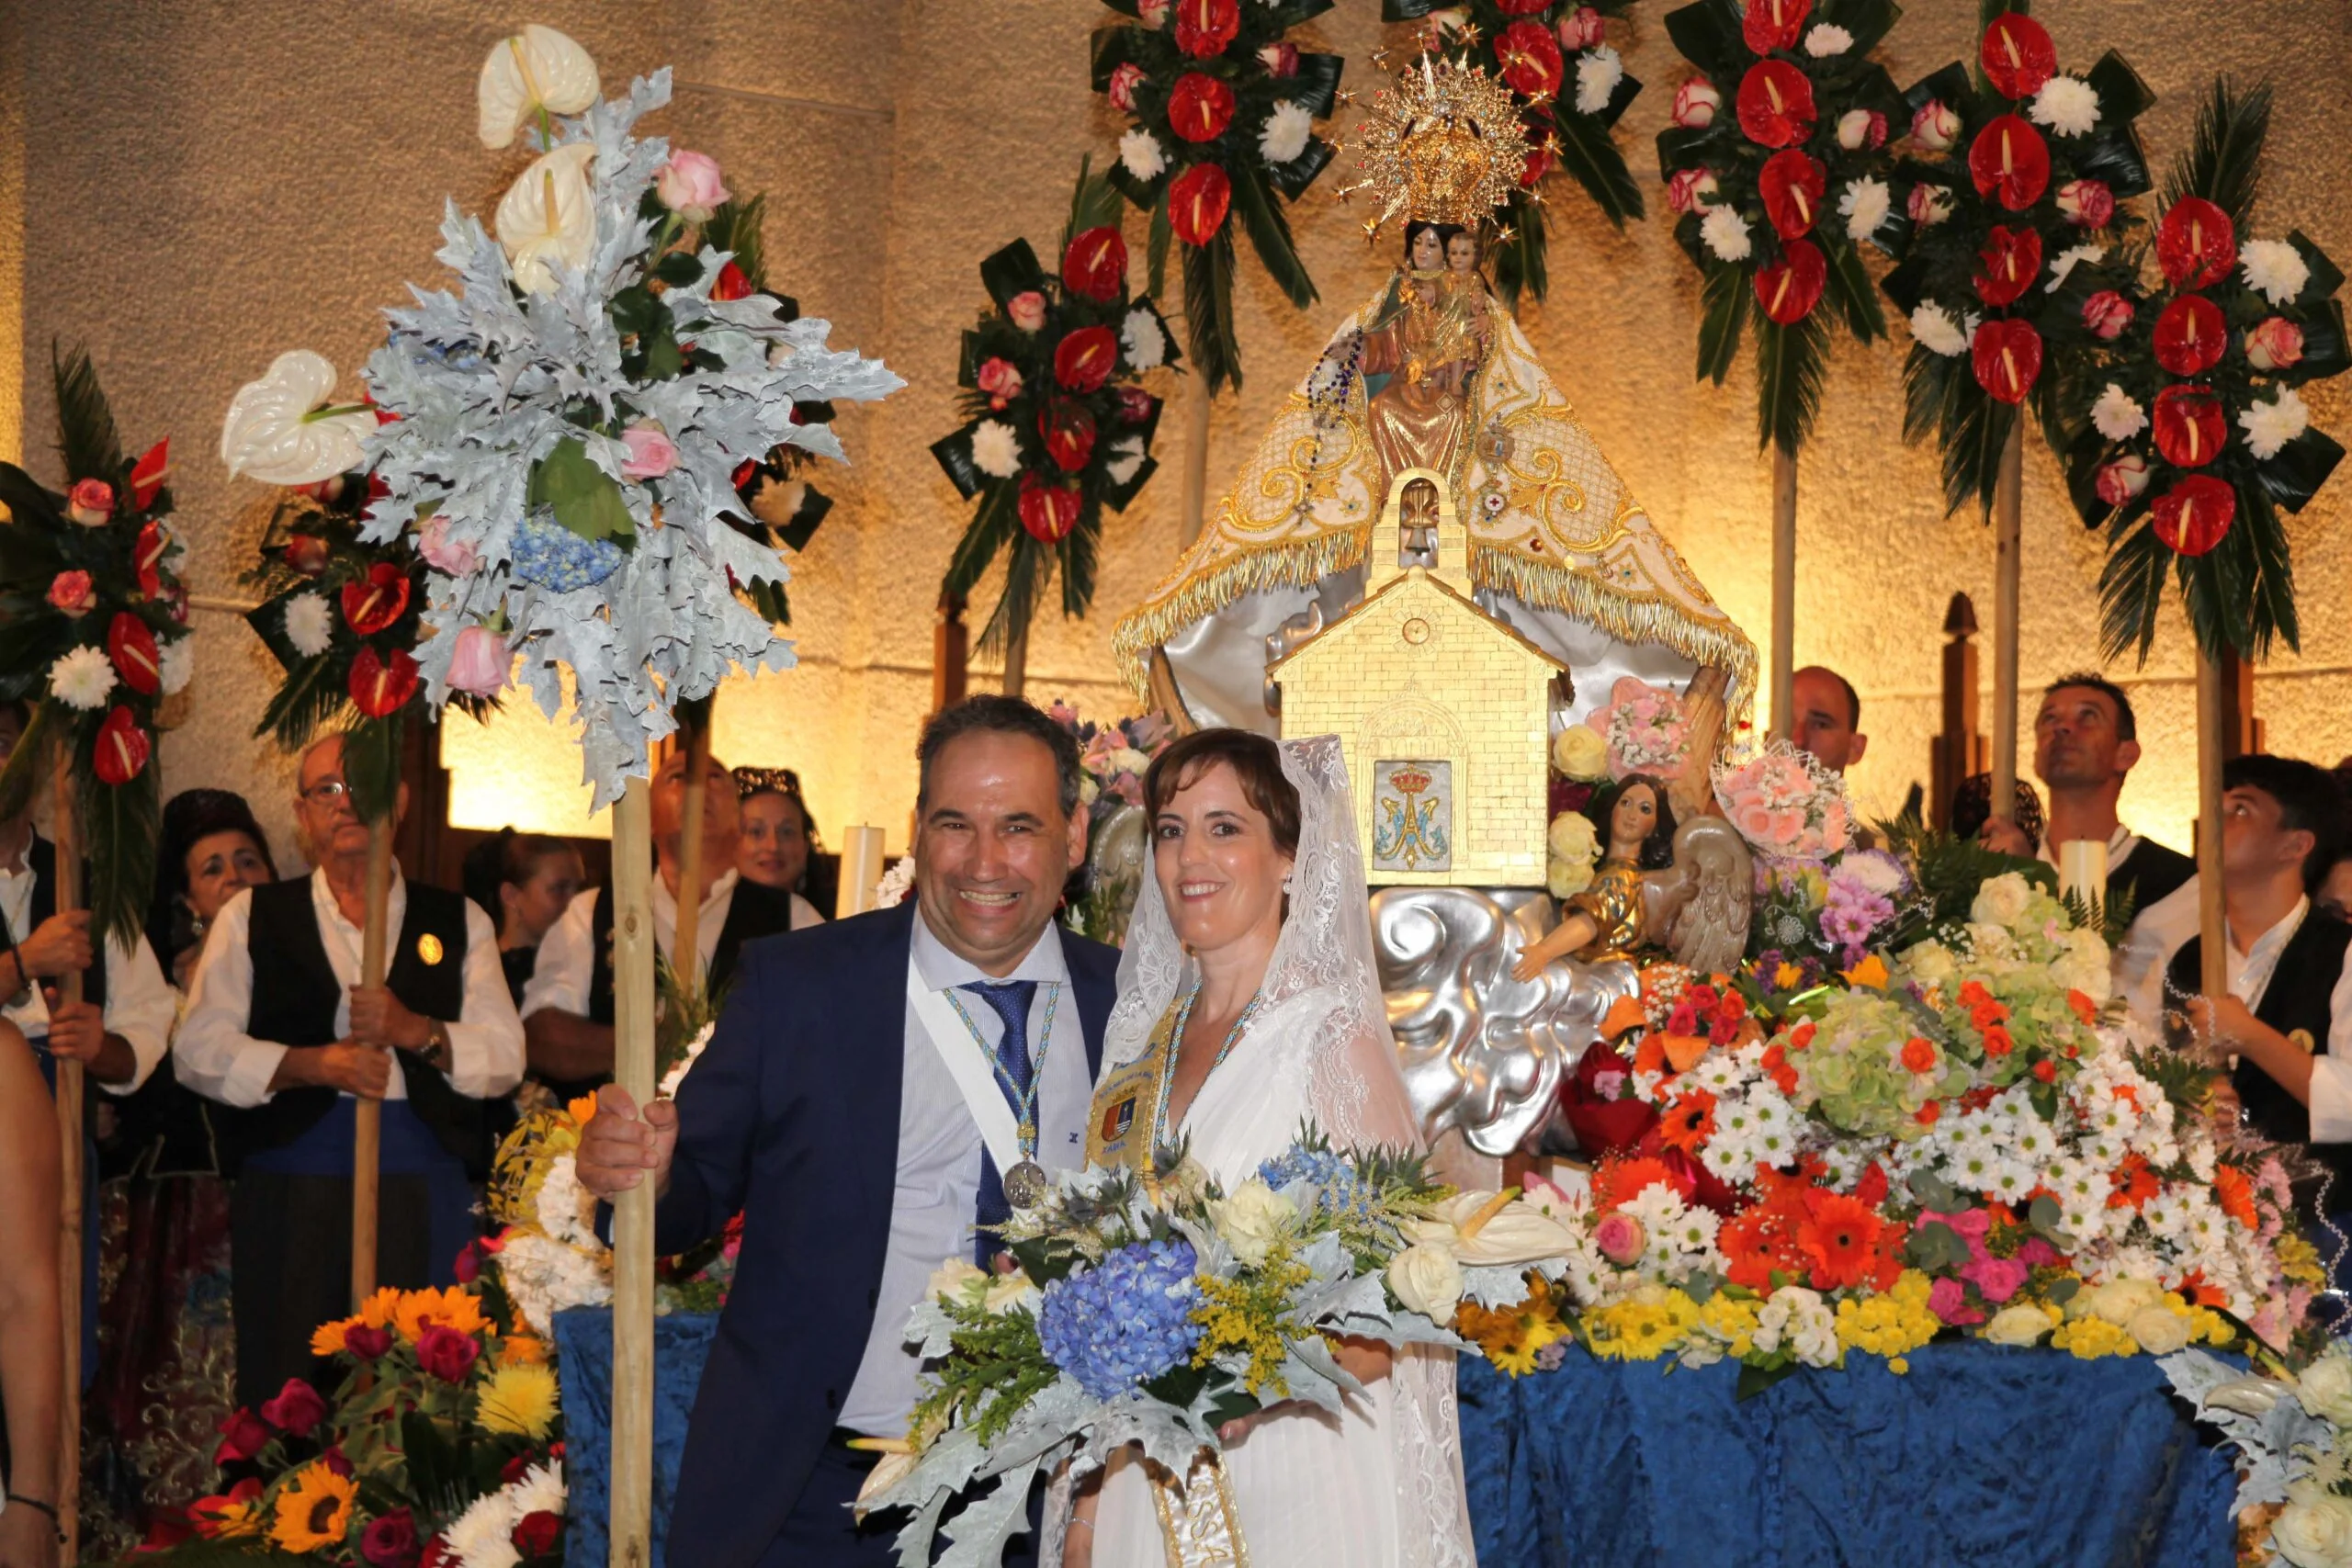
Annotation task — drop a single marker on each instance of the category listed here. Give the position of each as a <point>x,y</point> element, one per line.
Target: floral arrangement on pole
<point>574,421</point>
<point>1057,423</point>
<point>2198,437</point>
<point>1221,105</point>
<point>1571,88</point>
<point>94,637</point>
<point>1776,162</point>
<point>2016,269</point>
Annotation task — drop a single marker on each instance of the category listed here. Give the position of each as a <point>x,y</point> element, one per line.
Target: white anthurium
<point>549,214</point>
<point>286,429</point>
<point>535,70</point>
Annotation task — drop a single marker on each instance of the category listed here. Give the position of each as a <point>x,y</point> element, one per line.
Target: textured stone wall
<point>208,182</point>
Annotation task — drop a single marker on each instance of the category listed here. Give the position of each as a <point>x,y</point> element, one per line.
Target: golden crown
<point>1444,144</point>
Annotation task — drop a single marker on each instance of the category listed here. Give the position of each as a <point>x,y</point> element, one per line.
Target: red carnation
<point>2190,428</point>
<point>379,689</point>
<point>297,1408</point>
<point>1529,57</point>
<point>132,648</point>
<point>1774,24</point>
<point>2008,359</point>
<point>121,747</point>
<point>2010,261</point>
<point>1198,200</point>
<point>374,602</point>
<point>1135,405</point>
<point>1096,264</point>
<point>2018,55</point>
<point>242,1436</point>
<point>2010,163</point>
<point>1069,434</point>
<point>1790,287</point>
<point>2196,245</point>
<point>444,1352</point>
<point>1048,511</point>
<point>1792,185</point>
<point>537,1534</point>
<point>1776,104</point>
<point>732,284</point>
<point>2195,514</point>
<point>1084,359</point>
<point>1204,27</point>
<point>1200,106</point>
<point>2190,335</point>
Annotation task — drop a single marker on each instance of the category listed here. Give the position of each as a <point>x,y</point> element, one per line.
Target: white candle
<point>861,868</point>
<point>2082,869</point>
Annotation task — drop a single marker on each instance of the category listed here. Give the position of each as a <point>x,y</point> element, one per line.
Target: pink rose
<point>1835,828</point>
<point>1695,103</point>
<point>1001,380</point>
<point>1929,205</point>
<point>2274,344</point>
<point>1027,311</point>
<point>90,502</point>
<point>479,662</point>
<point>1691,190</point>
<point>1935,128</point>
<point>1995,1278</point>
<point>1580,28</point>
<point>650,452</point>
<point>1754,821</point>
<point>2107,313</point>
<point>2124,479</point>
<point>1281,60</point>
<point>74,592</point>
<point>1858,128</point>
<point>1620,1238</point>
<point>1123,82</point>
<point>451,556</point>
<point>689,185</point>
<point>1152,12</point>
<point>1947,1299</point>
<point>2087,204</point>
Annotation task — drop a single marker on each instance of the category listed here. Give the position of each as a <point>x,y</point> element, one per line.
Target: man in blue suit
<point>872,1088</point>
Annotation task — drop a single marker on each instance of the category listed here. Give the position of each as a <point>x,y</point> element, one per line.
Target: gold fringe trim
<point>1251,570</point>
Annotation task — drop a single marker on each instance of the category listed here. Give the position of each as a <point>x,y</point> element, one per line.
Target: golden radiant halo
<point>1444,144</point>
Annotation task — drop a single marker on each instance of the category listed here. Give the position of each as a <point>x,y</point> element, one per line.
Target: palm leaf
<point>371,764</point>
<point>1269,234</point>
<point>2224,160</point>
<point>1792,368</point>
<point>1723,315</point>
<point>1589,155</point>
<point>993,523</point>
<point>86,434</point>
<point>1026,566</point>
<point>119,824</point>
<point>2131,588</point>
<point>302,707</point>
<point>1078,554</point>
<point>1094,203</point>
<point>1156,249</point>
<point>1208,311</point>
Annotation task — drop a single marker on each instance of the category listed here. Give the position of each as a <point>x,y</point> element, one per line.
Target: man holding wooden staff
<point>279,1028</point>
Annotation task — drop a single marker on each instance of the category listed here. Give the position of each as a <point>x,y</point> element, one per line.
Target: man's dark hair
<point>1005,715</point>
<point>21,710</point>
<point>2127,726</point>
<point>2309,802</point>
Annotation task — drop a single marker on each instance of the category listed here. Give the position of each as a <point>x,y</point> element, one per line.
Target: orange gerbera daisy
<point>2134,1184</point>
<point>2235,1195</point>
<point>1621,1179</point>
<point>1840,1236</point>
<point>1689,1122</point>
<point>1754,1246</point>
<point>452,1308</point>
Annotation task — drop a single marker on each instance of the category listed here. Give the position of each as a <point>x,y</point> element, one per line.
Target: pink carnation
<point>1995,1278</point>
<point>1947,1299</point>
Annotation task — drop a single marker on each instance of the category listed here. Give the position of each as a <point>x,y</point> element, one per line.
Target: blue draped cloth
<point>1979,1455</point>
<point>583,1343</point>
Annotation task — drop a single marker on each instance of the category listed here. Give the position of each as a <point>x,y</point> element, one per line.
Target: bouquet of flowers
<point>1113,757</point>
<point>1153,1309</point>
<point>1785,804</point>
<point>1058,424</point>
<point>1222,107</point>
<point>1645,729</point>
<point>2295,1469</point>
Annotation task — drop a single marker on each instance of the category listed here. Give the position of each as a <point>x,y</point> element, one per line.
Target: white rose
<point>1991,943</point>
<point>1009,1290</point>
<point>2117,1302</point>
<point>2000,901</point>
<point>951,1279</point>
<point>1571,838</point>
<point>2159,1329</point>
<point>1931,963</point>
<point>1580,752</point>
<point>1127,759</point>
<point>2315,1529</point>
<point>2020,1323</point>
<point>2325,1389</point>
<point>1427,1278</point>
<point>1253,1220</point>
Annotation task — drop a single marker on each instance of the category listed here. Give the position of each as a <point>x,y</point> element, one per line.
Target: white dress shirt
<point>938,1184</point>
<point>568,953</point>
<point>220,1060</point>
<point>139,1004</point>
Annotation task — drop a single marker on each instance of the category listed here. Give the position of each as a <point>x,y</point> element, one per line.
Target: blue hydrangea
<point>554,557</point>
<point>1117,1326</point>
<point>1338,1191</point>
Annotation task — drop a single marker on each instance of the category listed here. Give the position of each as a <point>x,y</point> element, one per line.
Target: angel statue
<point>1685,889</point>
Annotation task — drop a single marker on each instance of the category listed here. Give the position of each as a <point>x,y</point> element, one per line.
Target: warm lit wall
<point>205,185</point>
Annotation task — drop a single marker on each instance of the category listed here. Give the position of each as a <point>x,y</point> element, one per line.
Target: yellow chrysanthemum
<point>1643,1326</point>
<point>1514,1361</point>
<point>2299,1261</point>
<point>522,1350</point>
<point>2088,1338</point>
<point>453,1308</point>
<point>1892,1323</point>
<point>2210,1328</point>
<point>519,1399</point>
<point>315,1513</point>
<point>326,1339</point>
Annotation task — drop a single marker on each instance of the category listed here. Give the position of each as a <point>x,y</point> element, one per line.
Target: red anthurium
<point>1774,24</point>
<point>2194,515</point>
<point>1048,511</point>
<point>132,648</point>
<point>1791,184</point>
<point>1069,434</point>
<point>2008,359</point>
<point>1776,104</point>
<point>2009,262</point>
<point>1083,360</point>
<point>1530,58</point>
<point>1198,200</point>
<point>732,284</point>
<point>2010,163</point>
<point>2018,55</point>
<point>2196,245</point>
<point>2189,425</point>
<point>380,687</point>
<point>374,602</point>
<point>1199,106</point>
<point>1790,287</point>
<point>121,750</point>
<point>2190,335</point>
<point>1096,264</point>
<point>1204,27</point>
<point>148,474</point>
<point>147,558</point>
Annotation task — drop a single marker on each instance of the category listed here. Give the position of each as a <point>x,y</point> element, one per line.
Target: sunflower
<point>327,1339</point>
<point>378,1310</point>
<point>453,1309</point>
<point>518,1399</point>
<point>315,1513</point>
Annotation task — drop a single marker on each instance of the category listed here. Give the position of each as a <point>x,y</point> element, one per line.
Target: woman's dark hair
<point>1972,808</point>
<point>506,856</point>
<point>1445,232</point>
<point>1657,850</point>
<point>1256,761</point>
<point>189,817</point>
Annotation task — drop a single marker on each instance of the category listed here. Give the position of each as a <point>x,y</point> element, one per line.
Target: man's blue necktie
<point>1011,999</point>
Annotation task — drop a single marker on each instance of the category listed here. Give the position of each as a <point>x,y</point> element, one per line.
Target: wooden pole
<point>631,1521</point>
<point>950,653</point>
<point>66,836</point>
<point>1196,460</point>
<point>2008,504</point>
<point>2212,742</point>
<point>367,1125</point>
<point>1784,592</point>
<point>1016,663</point>
<point>686,943</point>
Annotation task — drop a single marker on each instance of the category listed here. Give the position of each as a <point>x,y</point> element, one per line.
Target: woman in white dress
<point>1248,1004</point>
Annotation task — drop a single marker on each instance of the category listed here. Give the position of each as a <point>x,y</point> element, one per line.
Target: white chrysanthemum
<point>996,449</point>
<point>2269,426</point>
<point>1934,329</point>
<point>540,1491</point>
<point>1726,234</point>
<point>176,664</point>
<point>1143,340</point>
<point>1825,39</point>
<point>310,625</point>
<point>1139,151</point>
<point>1866,203</point>
<point>677,1074</point>
<point>2068,260</point>
<point>2067,104</point>
<point>1127,457</point>
<point>1599,71</point>
<point>2118,416</point>
<point>1284,136</point>
<point>484,1535</point>
<point>81,678</point>
<point>2275,268</point>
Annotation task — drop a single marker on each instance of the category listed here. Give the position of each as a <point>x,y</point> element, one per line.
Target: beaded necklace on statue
<point>1175,1049</point>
